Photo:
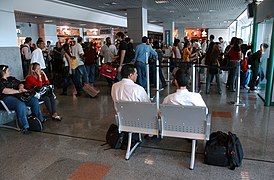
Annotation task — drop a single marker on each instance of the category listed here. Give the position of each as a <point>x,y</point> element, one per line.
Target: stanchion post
<point>193,77</point>
<point>168,69</point>
<point>147,72</point>
<point>157,85</point>
<point>238,88</point>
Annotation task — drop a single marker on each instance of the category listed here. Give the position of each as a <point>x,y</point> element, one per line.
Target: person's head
<point>176,42</point>
<point>144,39</point>
<point>249,53</point>
<point>263,47</point>
<point>34,69</point>
<point>40,44</point>
<point>127,39</point>
<point>129,71</point>
<point>4,71</point>
<point>120,35</point>
<point>237,44</point>
<point>79,39</point>
<point>66,47</point>
<point>48,43</point>
<point>232,41</point>
<point>28,40</point>
<point>108,41</point>
<point>211,38</point>
<point>181,78</point>
<point>221,39</point>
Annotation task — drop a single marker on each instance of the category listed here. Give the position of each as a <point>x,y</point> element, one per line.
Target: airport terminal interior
<point>75,148</point>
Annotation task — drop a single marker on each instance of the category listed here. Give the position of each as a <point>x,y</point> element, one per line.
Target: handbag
<point>25,96</point>
<point>108,71</point>
<point>45,90</point>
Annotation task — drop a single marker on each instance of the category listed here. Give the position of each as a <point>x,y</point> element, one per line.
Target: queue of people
<point>79,63</point>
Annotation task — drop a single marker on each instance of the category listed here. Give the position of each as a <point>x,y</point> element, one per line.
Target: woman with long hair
<point>38,78</point>
<point>212,60</point>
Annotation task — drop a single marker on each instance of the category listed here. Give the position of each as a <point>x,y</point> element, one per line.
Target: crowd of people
<point>79,62</point>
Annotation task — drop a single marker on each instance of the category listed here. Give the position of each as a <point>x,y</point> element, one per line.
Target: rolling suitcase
<point>90,90</point>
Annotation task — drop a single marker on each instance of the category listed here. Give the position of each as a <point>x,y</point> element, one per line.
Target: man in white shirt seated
<point>127,89</point>
<point>182,96</point>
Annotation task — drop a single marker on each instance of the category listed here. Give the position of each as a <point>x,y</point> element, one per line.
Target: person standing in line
<point>235,56</point>
<point>140,60</point>
<point>26,55</point>
<point>122,48</point>
<point>90,62</point>
<point>108,53</point>
<point>255,62</point>
<point>37,55</point>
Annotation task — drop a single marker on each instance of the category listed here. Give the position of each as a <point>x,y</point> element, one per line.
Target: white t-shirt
<point>127,90</point>
<point>108,52</point>
<point>184,97</point>
<point>76,50</point>
<point>37,56</point>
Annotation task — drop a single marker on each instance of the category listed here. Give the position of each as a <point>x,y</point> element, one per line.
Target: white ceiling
<point>185,13</point>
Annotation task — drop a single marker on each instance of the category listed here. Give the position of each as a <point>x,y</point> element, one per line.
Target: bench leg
<point>193,154</point>
<point>9,127</point>
<point>129,149</point>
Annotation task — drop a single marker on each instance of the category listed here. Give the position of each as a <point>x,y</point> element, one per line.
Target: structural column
<point>137,24</point>
<point>9,50</point>
<point>269,92</point>
<point>255,28</point>
<point>169,33</point>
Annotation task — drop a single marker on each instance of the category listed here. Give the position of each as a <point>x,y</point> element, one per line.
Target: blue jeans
<point>142,75</point>
<point>20,108</point>
<point>26,64</point>
<point>91,73</point>
<point>234,73</point>
<point>208,80</point>
<point>82,74</point>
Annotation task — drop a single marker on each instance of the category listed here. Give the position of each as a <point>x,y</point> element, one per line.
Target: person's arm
<point>174,52</point>
<point>123,53</point>
<point>10,91</point>
<point>44,77</point>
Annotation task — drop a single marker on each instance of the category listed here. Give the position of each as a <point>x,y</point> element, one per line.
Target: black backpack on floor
<point>234,151</point>
<point>118,140</point>
<point>35,124</point>
<point>215,150</point>
<point>224,150</point>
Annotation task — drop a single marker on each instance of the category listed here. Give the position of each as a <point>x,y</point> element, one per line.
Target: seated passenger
<point>10,85</point>
<point>127,89</point>
<point>37,77</point>
<point>182,96</point>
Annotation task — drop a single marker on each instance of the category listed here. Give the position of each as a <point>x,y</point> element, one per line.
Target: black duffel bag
<point>216,149</point>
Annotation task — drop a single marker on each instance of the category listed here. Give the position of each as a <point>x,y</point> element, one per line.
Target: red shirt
<point>31,82</point>
<point>234,56</point>
<point>244,65</point>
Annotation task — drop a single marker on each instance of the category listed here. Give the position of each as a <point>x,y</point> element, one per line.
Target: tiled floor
<point>71,149</point>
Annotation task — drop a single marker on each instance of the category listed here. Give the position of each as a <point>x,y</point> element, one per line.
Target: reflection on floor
<point>71,149</point>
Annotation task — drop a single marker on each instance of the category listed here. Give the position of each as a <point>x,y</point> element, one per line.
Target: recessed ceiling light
<point>82,24</point>
<point>47,21</point>
<point>212,10</point>
<point>161,1</point>
<point>35,17</point>
<point>171,11</point>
